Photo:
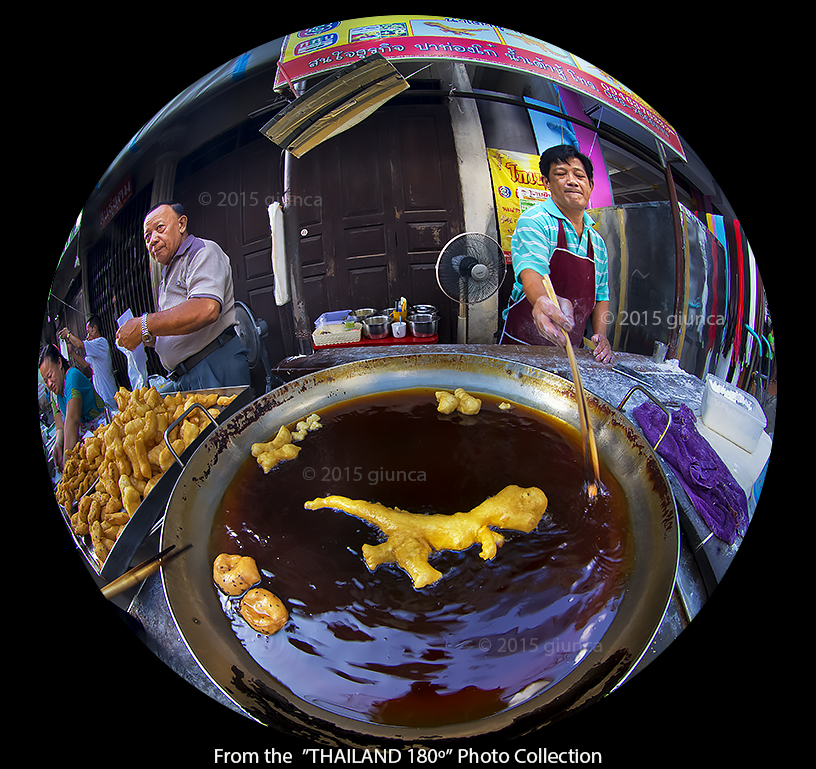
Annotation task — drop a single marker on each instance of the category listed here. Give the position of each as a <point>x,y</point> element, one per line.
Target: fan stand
<point>252,333</point>
<point>462,321</point>
<point>460,274</point>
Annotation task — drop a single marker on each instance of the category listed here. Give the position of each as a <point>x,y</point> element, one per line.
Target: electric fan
<point>252,334</point>
<point>469,270</point>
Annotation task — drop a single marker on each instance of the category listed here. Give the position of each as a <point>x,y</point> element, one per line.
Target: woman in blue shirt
<point>77,408</point>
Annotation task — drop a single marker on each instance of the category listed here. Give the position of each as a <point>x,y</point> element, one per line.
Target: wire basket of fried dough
<point>110,474</point>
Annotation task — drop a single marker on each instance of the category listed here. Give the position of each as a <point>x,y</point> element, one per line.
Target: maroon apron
<point>572,277</point>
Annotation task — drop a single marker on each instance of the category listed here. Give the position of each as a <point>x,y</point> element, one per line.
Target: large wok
<point>196,609</point>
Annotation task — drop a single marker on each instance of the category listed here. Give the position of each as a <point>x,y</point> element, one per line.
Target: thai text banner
<point>319,50</point>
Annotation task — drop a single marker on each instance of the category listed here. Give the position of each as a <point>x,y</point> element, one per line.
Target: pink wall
<point>602,194</point>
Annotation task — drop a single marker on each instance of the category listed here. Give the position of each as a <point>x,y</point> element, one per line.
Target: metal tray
<point>153,505</point>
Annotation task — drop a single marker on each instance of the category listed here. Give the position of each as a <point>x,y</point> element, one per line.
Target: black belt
<point>188,365</point>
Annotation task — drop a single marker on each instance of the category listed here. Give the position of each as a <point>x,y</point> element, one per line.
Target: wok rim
<point>265,699</point>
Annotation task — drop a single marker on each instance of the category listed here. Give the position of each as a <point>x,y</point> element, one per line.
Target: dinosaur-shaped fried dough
<point>412,537</point>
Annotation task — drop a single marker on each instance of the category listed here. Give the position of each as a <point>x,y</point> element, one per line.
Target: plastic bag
<point>136,359</point>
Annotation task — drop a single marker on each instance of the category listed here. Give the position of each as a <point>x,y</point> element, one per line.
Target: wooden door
<point>227,201</point>
<point>376,205</point>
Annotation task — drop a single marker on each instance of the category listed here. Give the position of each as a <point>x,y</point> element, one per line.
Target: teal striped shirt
<point>535,239</point>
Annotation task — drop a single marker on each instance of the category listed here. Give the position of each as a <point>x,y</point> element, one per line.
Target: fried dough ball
<point>119,518</point>
<point>166,458</point>
<point>447,403</point>
<point>94,511</point>
<point>467,403</point>
<point>458,401</point>
<point>234,574</point>
<point>263,611</point>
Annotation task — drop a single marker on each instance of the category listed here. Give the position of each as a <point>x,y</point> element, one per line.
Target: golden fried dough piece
<point>311,423</point>
<point>79,524</point>
<point>467,403</point>
<point>458,401</point>
<point>279,449</point>
<point>234,574</point>
<point>412,537</point>
<point>448,403</point>
<point>100,542</point>
<point>131,499</point>
<point>119,518</point>
<point>263,611</point>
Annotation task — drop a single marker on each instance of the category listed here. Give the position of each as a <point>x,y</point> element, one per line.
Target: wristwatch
<point>147,337</point>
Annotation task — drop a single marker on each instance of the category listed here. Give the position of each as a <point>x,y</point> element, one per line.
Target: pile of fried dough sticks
<point>126,458</point>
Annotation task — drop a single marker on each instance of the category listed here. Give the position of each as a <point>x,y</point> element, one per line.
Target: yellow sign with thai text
<point>517,185</point>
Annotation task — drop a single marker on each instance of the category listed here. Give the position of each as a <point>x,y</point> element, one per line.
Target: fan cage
<point>486,251</point>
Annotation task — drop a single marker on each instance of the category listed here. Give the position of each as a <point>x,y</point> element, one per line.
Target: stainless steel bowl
<point>376,326</point>
<point>423,324</point>
<point>359,315</point>
<point>424,309</point>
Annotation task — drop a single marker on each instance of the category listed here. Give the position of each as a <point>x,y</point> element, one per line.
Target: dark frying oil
<point>485,637</point>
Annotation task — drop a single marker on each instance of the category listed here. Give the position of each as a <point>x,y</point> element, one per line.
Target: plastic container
<point>330,318</point>
<point>732,413</point>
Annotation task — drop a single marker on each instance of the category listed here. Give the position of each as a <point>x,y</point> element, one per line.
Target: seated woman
<point>77,407</point>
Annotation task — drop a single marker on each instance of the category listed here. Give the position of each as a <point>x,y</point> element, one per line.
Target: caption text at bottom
<point>426,756</point>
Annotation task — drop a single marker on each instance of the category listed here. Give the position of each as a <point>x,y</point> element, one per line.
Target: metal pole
<point>609,135</point>
<point>291,230</point>
<point>679,257</point>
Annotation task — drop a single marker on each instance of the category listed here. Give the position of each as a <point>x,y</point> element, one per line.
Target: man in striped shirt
<point>557,238</point>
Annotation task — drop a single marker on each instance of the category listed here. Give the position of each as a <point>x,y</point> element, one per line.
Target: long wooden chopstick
<point>590,448</point>
<point>136,575</point>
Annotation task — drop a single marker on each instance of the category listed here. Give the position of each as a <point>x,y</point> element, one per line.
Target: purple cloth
<point>716,496</point>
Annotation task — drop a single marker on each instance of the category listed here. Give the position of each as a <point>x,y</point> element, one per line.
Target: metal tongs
<point>593,471</point>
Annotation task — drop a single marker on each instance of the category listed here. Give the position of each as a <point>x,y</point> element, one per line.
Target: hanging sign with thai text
<point>321,49</point>
<point>115,202</point>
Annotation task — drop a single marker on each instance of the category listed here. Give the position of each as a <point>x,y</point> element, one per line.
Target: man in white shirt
<point>95,351</point>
